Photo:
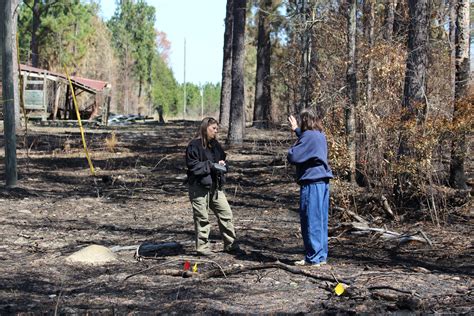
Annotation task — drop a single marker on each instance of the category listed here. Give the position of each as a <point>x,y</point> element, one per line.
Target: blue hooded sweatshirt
<point>310,155</point>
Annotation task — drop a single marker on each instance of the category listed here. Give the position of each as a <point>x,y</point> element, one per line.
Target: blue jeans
<point>314,205</point>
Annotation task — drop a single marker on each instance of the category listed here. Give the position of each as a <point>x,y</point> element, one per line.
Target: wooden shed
<point>47,95</point>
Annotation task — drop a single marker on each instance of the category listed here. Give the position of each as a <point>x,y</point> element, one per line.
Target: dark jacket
<point>199,162</point>
<point>310,155</point>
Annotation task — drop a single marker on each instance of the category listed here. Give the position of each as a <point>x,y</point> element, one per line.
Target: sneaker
<point>305,263</point>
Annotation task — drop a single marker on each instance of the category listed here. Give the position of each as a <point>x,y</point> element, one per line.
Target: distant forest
<point>126,51</point>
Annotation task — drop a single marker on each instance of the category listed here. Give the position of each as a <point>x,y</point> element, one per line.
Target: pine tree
<point>263,99</point>
<point>237,114</point>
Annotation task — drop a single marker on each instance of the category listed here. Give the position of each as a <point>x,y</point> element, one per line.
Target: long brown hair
<point>202,130</point>
<point>310,120</point>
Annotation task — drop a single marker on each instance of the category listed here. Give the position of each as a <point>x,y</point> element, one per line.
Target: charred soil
<point>139,195</point>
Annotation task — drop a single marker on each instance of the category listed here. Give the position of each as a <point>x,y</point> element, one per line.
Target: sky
<point>201,23</point>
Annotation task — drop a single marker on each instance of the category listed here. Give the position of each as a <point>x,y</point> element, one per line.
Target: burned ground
<point>139,195</point>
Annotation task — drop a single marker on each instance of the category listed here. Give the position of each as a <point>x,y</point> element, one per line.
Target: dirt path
<point>58,209</point>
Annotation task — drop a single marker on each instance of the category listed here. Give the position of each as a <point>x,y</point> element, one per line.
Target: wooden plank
<point>45,96</point>
<point>56,102</point>
<point>38,82</point>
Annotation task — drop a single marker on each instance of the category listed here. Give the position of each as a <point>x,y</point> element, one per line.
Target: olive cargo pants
<point>202,200</point>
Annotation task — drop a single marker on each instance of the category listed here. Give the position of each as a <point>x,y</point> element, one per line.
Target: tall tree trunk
<point>457,176</point>
<point>262,107</point>
<point>237,113</point>
<point>415,75</point>
<point>452,44</point>
<point>34,44</point>
<point>351,79</point>
<point>6,45</point>
<point>390,19</point>
<point>16,74</point>
<point>226,87</point>
<point>370,12</point>
<point>304,10</point>
<point>413,102</point>
<point>362,152</point>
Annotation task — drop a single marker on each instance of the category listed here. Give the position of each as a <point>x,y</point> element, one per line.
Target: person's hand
<point>222,162</point>
<point>293,122</point>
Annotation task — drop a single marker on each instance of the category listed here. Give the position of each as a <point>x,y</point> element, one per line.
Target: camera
<point>218,167</point>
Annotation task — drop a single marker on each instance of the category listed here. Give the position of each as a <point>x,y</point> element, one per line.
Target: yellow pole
<point>91,166</point>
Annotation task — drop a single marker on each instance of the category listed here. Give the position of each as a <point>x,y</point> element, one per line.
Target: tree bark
<point>226,87</point>
<point>370,11</point>
<point>417,60</point>
<point>16,72</point>
<point>262,106</point>
<point>11,175</point>
<point>457,176</point>
<point>452,44</point>
<point>34,44</point>
<point>305,44</point>
<point>413,103</point>
<point>390,19</point>
<point>351,79</point>
<point>362,152</point>
<point>237,112</point>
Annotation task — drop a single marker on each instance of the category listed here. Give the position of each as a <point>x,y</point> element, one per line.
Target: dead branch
<point>386,234</point>
<point>426,238</point>
<point>240,269</point>
<point>387,287</point>
<point>386,207</point>
<point>350,213</point>
<point>175,272</point>
<point>155,167</point>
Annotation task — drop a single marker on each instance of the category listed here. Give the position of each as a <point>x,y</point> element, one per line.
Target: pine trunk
<point>16,74</point>
<point>226,87</point>
<point>370,11</point>
<point>413,102</point>
<point>262,106</point>
<point>417,60</point>
<point>390,19</point>
<point>452,42</point>
<point>457,176</point>
<point>351,80</point>
<point>237,113</point>
<point>305,44</point>
<point>8,95</point>
<point>34,44</point>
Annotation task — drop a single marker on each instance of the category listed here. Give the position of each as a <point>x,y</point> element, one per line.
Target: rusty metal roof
<point>89,85</point>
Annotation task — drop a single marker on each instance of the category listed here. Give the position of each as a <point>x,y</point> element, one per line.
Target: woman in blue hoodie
<point>310,155</point>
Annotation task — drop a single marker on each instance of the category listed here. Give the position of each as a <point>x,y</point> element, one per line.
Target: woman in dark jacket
<point>206,163</point>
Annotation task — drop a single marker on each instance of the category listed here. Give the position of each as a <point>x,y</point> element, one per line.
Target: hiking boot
<point>234,250</point>
<point>205,253</point>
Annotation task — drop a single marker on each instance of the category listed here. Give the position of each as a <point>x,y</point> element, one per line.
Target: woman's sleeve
<point>222,153</point>
<point>195,166</point>
<point>298,153</point>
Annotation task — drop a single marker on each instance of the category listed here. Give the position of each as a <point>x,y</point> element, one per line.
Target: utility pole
<point>184,84</point>
<point>8,94</point>
<point>202,102</point>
